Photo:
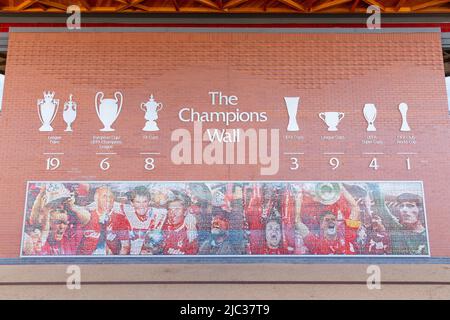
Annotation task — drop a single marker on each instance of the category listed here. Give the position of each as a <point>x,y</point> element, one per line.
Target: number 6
<point>104,164</point>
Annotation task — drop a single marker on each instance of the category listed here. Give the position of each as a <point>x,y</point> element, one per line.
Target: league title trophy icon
<point>108,109</point>
<point>370,114</point>
<point>331,119</point>
<point>70,113</point>
<point>47,109</point>
<point>403,107</point>
<point>292,107</point>
<point>151,109</point>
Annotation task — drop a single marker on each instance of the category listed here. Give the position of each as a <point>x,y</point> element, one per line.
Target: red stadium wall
<point>328,71</point>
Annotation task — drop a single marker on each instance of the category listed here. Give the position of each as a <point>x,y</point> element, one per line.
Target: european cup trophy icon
<point>292,107</point>
<point>370,114</point>
<point>108,109</point>
<point>47,109</point>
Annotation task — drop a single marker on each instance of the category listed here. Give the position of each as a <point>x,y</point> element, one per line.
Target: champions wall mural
<point>225,218</point>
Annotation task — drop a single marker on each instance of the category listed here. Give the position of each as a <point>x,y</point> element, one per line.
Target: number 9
<point>334,162</point>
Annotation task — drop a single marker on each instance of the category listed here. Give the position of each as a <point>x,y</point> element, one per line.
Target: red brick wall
<point>329,72</point>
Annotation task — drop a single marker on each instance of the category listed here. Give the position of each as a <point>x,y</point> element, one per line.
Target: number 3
<point>295,164</point>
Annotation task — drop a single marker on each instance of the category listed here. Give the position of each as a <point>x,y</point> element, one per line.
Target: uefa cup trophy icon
<point>292,107</point>
<point>47,109</point>
<point>108,109</point>
<point>403,108</point>
<point>370,114</point>
<point>331,119</point>
<point>151,109</point>
<point>69,113</point>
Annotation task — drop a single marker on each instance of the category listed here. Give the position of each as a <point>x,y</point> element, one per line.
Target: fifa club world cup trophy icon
<point>331,119</point>
<point>47,109</point>
<point>151,109</point>
<point>69,113</point>
<point>292,108</point>
<point>403,107</point>
<point>370,114</point>
<point>108,109</point>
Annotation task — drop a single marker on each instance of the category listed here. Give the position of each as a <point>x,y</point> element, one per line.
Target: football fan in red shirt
<point>107,231</point>
<point>331,238</point>
<point>178,235</point>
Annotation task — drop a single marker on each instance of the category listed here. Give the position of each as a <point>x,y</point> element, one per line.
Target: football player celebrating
<point>142,217</point>
<point>178,233</point>
<point>107,231</point>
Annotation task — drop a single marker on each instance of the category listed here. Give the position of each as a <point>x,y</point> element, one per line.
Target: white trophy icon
<point>47,109</point>
<point>370,114</point>
<point>403,107</point>
<point>331,119</point>
<point>151,109</point>
<point>292,107</point>
<point>69,113</point>
<point>108,110</point>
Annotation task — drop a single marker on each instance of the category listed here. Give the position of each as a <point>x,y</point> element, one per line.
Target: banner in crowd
<point>225,218</point>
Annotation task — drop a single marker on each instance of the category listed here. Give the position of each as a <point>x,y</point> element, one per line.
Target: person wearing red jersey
<point>178,238</point>
<point>107,231</point>
<point>268,228</point>
<point>142,217</point>
<point>50,220</point>
<point>331,239</point>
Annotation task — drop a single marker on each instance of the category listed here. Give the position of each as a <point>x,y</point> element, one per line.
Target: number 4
<point>374,164</point>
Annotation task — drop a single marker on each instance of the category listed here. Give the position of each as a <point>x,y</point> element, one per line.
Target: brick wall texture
<point>329,72</point>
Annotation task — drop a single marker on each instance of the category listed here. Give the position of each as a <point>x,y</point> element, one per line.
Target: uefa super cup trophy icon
<point>69,113</point>
<point>108,109</point>
<point>292,107</point>
<point>47,109</point>
<point>151,109</point>
<point>331,119</point>
<point>370,114</point>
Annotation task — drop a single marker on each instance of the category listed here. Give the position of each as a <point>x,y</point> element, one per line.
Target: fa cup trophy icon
<point>370,114</point>
<point>403,107</point>
<point>108,109</point>
<point>331,119</point>
<point>151,109</point>
<point>47,109</point>
<point>70,113</point>
<point>292,107</point>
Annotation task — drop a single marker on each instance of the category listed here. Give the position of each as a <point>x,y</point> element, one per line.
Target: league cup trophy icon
<point>370,114</point>
<point>151,109</point>
<point>70,113</point>
<point>108,110</point>
<point>292,107</point>
<point>331,119</point>
<point>47,109</point>
<point>403,107</point>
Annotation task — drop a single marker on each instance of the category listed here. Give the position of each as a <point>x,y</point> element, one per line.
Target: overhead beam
<point>53,4</point>
<point>376,3</point>
<point>328,4</point>
<point>233,3</point>
<point>429,4</point>
<point>209,3</point>
<point>354,5</point>
<point>294,5</point>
